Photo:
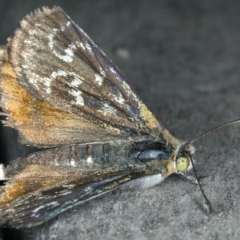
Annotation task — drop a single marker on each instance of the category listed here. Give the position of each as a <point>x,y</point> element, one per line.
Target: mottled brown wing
<point>25,202</point>
<point>57,84</point>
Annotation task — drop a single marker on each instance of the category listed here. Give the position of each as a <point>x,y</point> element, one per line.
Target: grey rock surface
<point>183,59</point>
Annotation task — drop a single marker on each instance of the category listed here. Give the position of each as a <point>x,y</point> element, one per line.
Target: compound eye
<point>182,164</point>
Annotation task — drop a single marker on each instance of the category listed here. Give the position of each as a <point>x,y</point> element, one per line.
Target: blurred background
<point>182,57</point>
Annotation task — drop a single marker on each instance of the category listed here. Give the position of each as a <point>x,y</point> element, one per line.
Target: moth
<point>63,94</point>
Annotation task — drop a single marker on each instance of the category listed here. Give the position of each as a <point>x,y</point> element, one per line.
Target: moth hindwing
<point>59,90</point>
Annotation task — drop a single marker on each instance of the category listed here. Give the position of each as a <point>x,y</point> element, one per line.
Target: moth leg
<point>190,178</point>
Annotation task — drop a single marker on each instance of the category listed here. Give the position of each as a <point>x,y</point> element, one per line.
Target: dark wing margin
<point>55,61</point>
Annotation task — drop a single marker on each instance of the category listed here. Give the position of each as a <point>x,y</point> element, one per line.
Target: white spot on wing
<point>68,57</point>
<point>88,48</point>
<point>99,79</point>
<point>64,192</point>
<point>28,42</point>
<point>82,46</point>
<point>25,66</point>
<point>88,189</point>
<point>53,204</point>
<point>69,53</point>
<point>47,81</point>
<point>78,98</point>
<point>56,162</point>
<point>34,80</point>
<point>32,32</point>
<point>69,186</point>
<point>118,98</point>
<point>50,43</point>
<point>113,70</point>
<point>102,72</point>
<point>107,109</point>
<point>76,82</point>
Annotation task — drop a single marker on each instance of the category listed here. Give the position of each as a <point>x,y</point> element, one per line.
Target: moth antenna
<point>206,202</point>
<point>214,129</point>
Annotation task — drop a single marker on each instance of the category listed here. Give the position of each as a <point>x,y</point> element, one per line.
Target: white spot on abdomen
<point>72,162</point>
<point>2,173</point>
<point>150,181</point>
<point>89,159</point>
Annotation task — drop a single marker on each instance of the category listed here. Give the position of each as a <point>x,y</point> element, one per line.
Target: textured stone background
<point>183,59</point>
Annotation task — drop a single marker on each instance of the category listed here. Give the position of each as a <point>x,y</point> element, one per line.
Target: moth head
<point>183,161</point>
<point>182,164</point>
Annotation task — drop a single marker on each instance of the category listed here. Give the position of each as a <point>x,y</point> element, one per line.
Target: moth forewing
<point>73,75</point>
